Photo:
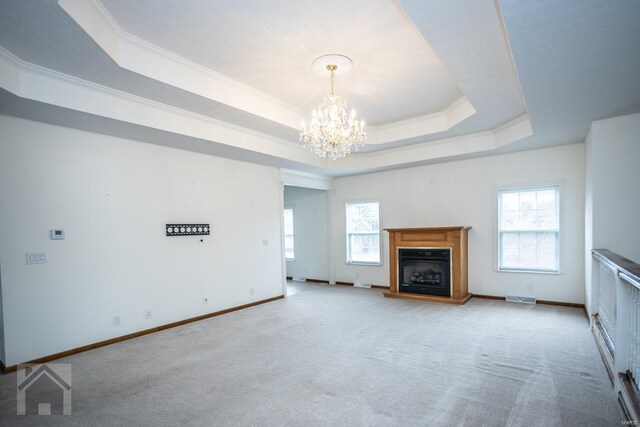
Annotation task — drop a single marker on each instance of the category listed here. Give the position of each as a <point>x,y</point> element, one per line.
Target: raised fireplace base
<point>424,241</point>
<point>428,298</point>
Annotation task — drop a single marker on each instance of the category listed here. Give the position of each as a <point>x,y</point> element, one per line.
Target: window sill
<point>528,271</point>
<point>372,264</point>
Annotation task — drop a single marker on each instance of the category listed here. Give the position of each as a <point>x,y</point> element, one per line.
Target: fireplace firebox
<point>424,271</point>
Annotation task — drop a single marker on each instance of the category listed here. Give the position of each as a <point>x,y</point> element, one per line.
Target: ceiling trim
<point>513,131</point>
<point>142,57</point>
<point>508,133</point>
<point>505,34</point>
<point>33,82</point>
<point>137,55</point>
<point>40,84</point>
<point>306,180</point>
<point>422,125</point>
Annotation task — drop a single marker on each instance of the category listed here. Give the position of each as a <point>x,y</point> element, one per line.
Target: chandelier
<point>333,132</point>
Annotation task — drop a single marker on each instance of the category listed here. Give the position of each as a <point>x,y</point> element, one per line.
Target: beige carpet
<point>335,355</point>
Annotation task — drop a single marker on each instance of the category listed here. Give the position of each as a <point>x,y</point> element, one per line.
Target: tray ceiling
<point>270,45</point>
<point>435,80</point>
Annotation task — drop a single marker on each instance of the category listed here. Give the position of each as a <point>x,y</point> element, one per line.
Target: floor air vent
<point>359,284</point>
<point>515,298</point>
<point>299,279</point>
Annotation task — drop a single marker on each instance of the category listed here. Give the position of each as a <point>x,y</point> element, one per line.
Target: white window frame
<point>292,235</point>
<point>346,234</point>
<point>496,221</point>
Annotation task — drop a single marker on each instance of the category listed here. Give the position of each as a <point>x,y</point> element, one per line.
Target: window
<point>288,234</point>
<point>363,232</point>
<point>529,229</point>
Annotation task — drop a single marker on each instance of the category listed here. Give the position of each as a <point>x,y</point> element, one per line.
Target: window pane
<point>288,233</point>
<point>546,199</point>
<point>362,217</point>
<point>547,250</point>
<point>288,221</point>
<point>527,200</point>
<point>529,209</point>
<point>527,220</point>
<point>510,202</point>
<point>510,220</point>
<point>529,229</point>
<point>547,219</point>
<point>529,250</point>
<point>363,232</point>
<point>288,247</point>
<point>364,247</point>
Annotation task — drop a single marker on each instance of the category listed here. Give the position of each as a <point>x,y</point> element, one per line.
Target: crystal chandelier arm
<point>327,138</point>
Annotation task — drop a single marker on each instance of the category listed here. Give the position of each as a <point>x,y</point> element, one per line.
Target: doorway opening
<point>306,219</point>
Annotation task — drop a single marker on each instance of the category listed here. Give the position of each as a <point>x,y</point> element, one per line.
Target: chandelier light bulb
<point>333,133</point>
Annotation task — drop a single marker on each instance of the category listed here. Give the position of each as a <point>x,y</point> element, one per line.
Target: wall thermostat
<point>57,234</point>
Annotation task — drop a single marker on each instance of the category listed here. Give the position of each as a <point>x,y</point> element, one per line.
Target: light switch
<point>37,258</point>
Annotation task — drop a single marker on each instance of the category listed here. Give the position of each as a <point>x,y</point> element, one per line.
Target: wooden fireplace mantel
<point>454,238</point>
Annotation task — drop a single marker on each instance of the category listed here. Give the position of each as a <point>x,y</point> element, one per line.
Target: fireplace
<point>424,271</point>
<point>429,264</point>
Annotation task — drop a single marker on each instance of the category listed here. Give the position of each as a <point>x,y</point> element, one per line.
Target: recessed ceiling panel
<point>270,46</point>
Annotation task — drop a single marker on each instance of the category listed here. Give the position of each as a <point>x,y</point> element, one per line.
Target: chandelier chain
<point>332,68</point>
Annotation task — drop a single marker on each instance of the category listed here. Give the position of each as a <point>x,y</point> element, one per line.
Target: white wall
<point>612,194</point>
<point>113,197</point>
<point>588,224</point>
<point>311,232</point>
<point>2,353</point>
<point>462,193</point>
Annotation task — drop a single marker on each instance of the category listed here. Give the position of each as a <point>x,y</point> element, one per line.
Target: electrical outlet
<point>147,314</point>
<point>116,320</point>
<point>265,242</point>
<point>529,287</point>
<point>357,275</point>
<point>252,291</point>
<point>205,300</point>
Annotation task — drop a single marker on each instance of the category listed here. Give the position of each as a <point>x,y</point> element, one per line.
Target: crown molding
<point>40,84</point>
<point>422,125</point>
<point>142,57</point>
<point>513,131</point>
<point>505,134</point>
<point>304,179</point>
